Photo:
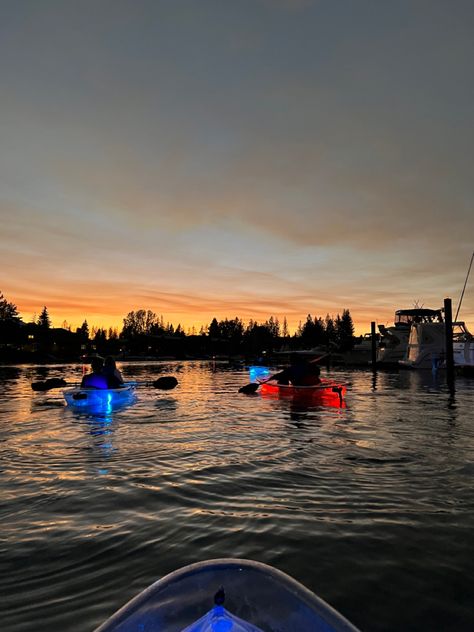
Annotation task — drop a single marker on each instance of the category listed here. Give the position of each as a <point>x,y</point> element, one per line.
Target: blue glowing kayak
<point>99,399</point>
<point>257,597</point>
<point>259,372</point>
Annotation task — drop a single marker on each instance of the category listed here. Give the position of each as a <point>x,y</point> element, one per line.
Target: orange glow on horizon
<point>114,319</point>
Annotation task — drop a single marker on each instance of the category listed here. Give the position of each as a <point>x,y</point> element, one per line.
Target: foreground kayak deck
<point>257,598</point>
<point>101,399</point>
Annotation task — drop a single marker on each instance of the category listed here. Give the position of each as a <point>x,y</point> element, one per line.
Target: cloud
<point>219,158</point>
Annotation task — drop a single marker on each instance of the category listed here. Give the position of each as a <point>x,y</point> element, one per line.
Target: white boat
<point>427,346</point>
<point>394,339</point>
<point>463,346</point>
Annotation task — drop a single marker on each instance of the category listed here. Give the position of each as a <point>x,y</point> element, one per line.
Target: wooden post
<point>374,345</point>
<point>448,325</point>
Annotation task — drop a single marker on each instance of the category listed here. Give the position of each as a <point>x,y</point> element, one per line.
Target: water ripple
<point>371,505</point>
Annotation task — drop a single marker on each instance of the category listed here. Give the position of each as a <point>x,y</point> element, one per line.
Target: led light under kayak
<point>258,598</point>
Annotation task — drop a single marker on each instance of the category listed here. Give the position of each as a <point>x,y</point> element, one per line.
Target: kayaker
<point>113,375</point>
<point>95,379</point>
<point>299,373</point>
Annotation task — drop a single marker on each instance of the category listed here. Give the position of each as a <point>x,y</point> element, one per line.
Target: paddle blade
<point>54,382</point>
<point>248,389</point>
<point>165,383</point>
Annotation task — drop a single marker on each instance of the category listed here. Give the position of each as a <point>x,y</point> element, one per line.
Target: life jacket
<point>301,375</point>
<point>93,380</point>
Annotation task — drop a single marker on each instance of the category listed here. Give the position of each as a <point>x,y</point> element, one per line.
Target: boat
<point>426,347</point>
<point>393,344</point>
<point>99,399</point>
<point>360,354</point>
<point>258,372</point>
<point>327,391</point>
<point>427,342</point>
<point>257,598</point>
<point>463,347</point>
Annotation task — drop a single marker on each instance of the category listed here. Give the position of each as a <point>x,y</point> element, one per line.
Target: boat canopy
<point>418,315</point>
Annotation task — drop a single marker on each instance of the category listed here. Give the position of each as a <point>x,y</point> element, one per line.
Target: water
<point>371,506</point>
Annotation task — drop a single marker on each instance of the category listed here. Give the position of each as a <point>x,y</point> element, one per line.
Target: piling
<point>448,325</point>
<point>374,345</point>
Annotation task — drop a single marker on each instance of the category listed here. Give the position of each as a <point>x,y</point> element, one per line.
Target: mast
<point>462,293</point>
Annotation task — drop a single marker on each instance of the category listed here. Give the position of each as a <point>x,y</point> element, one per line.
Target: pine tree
<point>330,330</point>
<point>214,329</point>
<point>83,331</point>
<point>44,320</point>
<point>8,311</point>
<point>345,331</point>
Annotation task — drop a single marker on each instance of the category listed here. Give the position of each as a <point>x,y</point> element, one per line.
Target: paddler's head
<point>97,364</point>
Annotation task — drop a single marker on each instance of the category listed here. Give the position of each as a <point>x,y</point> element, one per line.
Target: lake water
<point>370,506</point>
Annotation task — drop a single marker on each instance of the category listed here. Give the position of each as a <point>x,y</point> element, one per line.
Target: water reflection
<point>99,428</point>
<point>9,373</point>
<point>166,404</point>
<point>374,381</point>
<point>353,499</point>
<point>300,412</point>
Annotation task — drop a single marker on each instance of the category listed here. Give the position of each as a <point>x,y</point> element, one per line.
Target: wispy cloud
<point>202,159</point>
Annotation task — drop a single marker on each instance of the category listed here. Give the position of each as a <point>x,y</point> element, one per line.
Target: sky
<point>226,158</point>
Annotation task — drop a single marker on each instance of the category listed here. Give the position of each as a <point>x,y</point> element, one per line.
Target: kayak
<point>227,595</point>
<point>257,372</point>
<point>326,391</point>
<point>99,399</point>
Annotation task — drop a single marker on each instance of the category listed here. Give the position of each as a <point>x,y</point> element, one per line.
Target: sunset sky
<point>247,158</point>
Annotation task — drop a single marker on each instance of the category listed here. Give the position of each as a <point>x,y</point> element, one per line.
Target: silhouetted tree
<point>214,329</point>
<point>179,331</point>
<point>83,331</point>
<point>299,330</point>
<point>140,322</point>
<point>231,329</point>
<point>258,338</point>
<point>330,330</point>
<point>10,322</point>
<point>8,311</point>
<point>313,332</point>
<point>345,331</point>
<point>44,320</point>
<point>273,326</point>
<point>100,340</point>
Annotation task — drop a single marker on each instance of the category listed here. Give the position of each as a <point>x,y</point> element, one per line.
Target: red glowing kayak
<point>326,390</point>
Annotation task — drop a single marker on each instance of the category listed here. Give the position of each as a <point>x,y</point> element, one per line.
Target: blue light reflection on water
<point>370,506</point>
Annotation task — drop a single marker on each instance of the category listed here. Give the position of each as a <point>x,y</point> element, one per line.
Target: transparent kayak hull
<point>259,373</point>
<point>258,598</point>
<point>99,399</point>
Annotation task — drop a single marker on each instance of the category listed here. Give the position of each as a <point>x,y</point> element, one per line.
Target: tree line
<point>145,333</point>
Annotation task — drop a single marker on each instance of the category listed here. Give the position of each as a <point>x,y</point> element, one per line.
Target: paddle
<point>251,388</point>
<point>54,382</point>
<point>164,383</point>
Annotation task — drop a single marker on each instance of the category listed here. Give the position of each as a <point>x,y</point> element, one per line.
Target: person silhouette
<point>95,379</point>
<point>299,373</point>
<point>112,374</point>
